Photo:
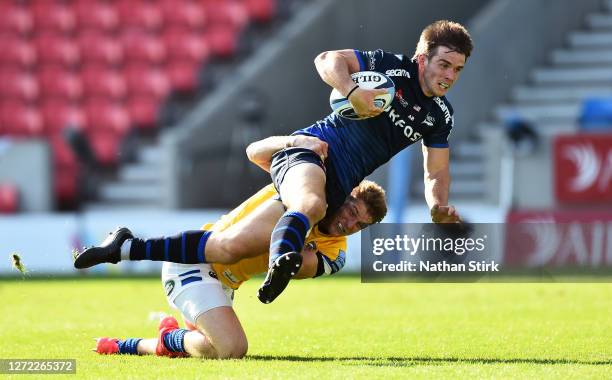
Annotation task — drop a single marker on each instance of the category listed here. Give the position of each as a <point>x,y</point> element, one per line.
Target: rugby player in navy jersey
<point>315,169</point>
<point>311,187</point>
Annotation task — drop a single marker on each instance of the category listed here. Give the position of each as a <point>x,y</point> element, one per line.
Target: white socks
<point>125,249</point>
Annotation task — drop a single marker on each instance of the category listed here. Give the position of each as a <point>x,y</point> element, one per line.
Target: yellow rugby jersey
<point>235,274</point>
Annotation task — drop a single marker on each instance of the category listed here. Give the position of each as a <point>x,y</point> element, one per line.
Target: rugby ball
<point>365,79</point>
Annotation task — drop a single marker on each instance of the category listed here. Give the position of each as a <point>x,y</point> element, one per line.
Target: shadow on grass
<point>415,361</point>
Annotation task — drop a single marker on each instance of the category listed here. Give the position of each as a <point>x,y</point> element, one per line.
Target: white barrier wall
<point>45,241</point>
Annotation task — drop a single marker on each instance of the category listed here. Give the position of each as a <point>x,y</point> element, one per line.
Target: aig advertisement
<point>529,248</point>
<point>583,168</point>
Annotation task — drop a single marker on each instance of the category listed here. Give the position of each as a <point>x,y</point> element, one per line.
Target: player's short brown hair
<point>374,197</point>
<point>444,33</point>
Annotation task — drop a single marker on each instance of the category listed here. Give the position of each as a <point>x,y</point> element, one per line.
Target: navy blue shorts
<point>287,158</point>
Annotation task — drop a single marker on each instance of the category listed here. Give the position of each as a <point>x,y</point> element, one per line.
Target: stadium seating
<point>96,15</point>
<point>59,114</point>
<point>17,52</point>
<point>17,85</point>
<point>107,67</point>
<point>102,81</point>
<point>58,83</point>
<point>21,120</point>
<point>15,19</point>
<point>100,48</point>
<point>596,114</point>
<point>143,47</point>
<point>50,17</point>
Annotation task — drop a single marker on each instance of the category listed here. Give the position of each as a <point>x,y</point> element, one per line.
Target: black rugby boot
<point>279,275</point>
<point>107,252</point>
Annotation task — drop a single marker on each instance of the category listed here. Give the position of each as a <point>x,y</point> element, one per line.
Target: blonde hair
<point>373,195</point>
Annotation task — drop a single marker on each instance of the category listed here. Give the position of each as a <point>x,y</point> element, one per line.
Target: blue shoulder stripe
<point>437,145</point>
<point>362,65</point>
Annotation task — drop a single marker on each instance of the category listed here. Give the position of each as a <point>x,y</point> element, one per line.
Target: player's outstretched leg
<point>111,346</point>
<point>107,252</point>
<point>280,273</point>
<point>187,247</point>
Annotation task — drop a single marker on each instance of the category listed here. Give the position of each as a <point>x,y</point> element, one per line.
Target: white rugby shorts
<point>194,289</point>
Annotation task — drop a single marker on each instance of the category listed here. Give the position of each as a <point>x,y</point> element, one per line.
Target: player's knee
<point>235,349</point>
<point>234,251</point>
<point>314,208</point>
<point>228,249</point>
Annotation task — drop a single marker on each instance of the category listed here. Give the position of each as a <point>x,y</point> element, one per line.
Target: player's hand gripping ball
<point>366,80</point>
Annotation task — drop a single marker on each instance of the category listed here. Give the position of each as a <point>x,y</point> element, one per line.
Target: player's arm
<point>261,152</point>
<point>436,176</point>
<point>316,263</point>
<point>335,68</point>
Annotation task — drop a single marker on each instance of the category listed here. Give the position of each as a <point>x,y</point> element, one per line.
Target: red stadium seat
<point>185,44</point>
<point>143,111</point>
<point>183,13</point>
<point>58,115</point>
<point>18,86</point>
<point>100,48</point>
<point>21,120</point>
<point>106,146</point>
<point>223,41</point>
<point>106,116</point>
<point>227,13</point>
<point>63,156</point>
<point>139,14</point>
<point>66,170</point>
<point>55,82</point>
<point>54,49</point>
<point>65,184</point>
<point>261,11</point>
<point>147,80</point>
<point>15,20</point>
<point>9,198</point>
<point>97,15</point>
<point>101,81</point>
<point>53,17</point>
<point>143,47</point>
<point>17,52</point>
<point>183,75</point>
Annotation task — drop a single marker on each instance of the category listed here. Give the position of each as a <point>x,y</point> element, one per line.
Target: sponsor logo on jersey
<point>399,95</point>
<point>444,108</point>
<point>372,60</point>
<point>398,73</point>
<point>409,132</point>
<point>416,107</point>
<point>429,120</point>
<point>169,287</point>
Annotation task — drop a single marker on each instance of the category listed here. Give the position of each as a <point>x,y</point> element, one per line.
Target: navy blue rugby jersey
<point>358,147</point>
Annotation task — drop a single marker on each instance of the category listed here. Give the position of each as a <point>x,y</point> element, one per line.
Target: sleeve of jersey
<point>371,60</point>
<point>331,257</point>
<point>328,266</point>
<point>439,137</point>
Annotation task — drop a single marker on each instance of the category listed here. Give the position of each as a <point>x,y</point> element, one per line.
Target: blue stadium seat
<point>596,114</point>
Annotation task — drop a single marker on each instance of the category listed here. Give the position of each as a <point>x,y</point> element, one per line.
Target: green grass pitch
<point>329,328</point>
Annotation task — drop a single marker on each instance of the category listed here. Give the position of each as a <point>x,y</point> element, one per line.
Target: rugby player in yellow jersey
<point>203,293</point>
